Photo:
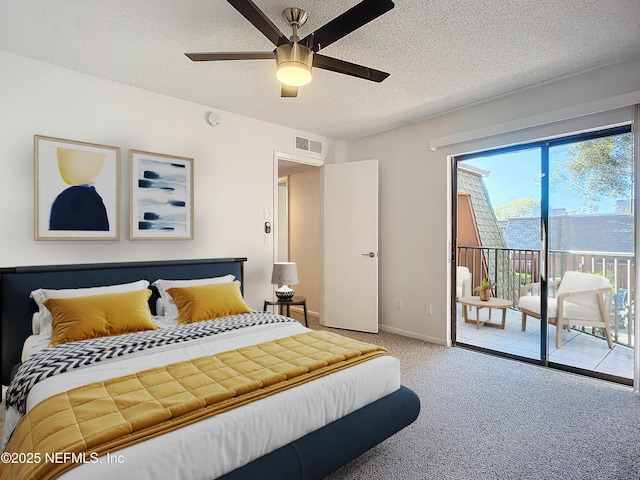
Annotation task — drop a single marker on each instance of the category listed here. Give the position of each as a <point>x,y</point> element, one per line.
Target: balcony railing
<point>511,268</point>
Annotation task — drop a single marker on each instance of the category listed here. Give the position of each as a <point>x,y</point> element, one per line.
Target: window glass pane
<point>591,230</point>
<point>499,240</point>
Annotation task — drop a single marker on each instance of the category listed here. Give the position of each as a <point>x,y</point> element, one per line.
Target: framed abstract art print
<point>76,191</point>
<point>161,196</point>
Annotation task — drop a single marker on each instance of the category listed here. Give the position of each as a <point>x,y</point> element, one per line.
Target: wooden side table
<point>296,300</point>
<point>493,302</point>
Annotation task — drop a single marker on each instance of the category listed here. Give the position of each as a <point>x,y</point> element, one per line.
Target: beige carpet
<point>485,417</point>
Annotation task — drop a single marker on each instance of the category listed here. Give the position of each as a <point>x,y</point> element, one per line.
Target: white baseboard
<point>386,328</point>
<point>300,310</point>
<point>406,333</point>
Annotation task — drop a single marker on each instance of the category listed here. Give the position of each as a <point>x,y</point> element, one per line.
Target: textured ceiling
<point>442,54</point>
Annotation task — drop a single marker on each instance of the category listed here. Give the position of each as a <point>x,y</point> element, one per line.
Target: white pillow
<point>159,307</point>
<point>165,322</point>
<point>170,307</point>
<point>41,320</point>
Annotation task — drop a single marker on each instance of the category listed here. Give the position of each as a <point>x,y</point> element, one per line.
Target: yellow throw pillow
<point>206,302</point>
<point>93,316</point>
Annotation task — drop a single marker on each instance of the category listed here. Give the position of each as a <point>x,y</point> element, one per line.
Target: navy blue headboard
<point>16,283</point>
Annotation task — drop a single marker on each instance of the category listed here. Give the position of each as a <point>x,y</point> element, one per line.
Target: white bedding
<point>220,444</point>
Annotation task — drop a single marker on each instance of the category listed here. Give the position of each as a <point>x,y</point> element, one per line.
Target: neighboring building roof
<point>522,233</point>
<point>470,182</point>
<point>585,233</point>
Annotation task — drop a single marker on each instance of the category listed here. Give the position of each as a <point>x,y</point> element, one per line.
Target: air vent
<point>307,145</point>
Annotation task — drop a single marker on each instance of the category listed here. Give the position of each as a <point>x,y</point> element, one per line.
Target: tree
<point>518,208</point>
<point>598,168</point>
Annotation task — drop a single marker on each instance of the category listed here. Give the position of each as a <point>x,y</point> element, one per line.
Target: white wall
<point>234,174</point>
<point>233,164</point>
<point>415,190</point>
<point>305,203</point>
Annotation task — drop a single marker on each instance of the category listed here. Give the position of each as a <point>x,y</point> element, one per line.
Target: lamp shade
<point>284,273</point>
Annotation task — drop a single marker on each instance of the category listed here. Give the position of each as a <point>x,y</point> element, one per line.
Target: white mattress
<point>220,444</point>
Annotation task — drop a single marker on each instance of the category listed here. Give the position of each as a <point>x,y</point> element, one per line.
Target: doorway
<point>529,214</point>
<point>298,224</point>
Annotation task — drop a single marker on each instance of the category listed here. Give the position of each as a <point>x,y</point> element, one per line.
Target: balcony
<point>583,347</point>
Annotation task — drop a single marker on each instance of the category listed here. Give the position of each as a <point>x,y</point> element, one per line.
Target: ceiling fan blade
<point>251,12</point>
<point>344,24</point>
<point>340,66</point>
<point>215,56</point>
<point>287,91</point>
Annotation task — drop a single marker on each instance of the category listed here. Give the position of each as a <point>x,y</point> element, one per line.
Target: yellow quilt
<point>86,422</point>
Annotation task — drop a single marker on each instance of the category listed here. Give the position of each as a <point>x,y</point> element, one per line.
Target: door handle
<point>369,254</point>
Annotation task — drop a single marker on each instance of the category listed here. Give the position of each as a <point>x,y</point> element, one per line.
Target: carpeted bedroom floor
<point>485,417</point>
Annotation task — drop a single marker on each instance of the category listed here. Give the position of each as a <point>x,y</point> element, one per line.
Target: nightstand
<point>296,300</point>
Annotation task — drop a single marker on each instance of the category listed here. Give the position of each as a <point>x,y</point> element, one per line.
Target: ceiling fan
<point>295,57</point>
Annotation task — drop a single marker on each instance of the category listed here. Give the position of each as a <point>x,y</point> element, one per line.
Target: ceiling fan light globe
<point>294,74</point>
<point>294,64</point>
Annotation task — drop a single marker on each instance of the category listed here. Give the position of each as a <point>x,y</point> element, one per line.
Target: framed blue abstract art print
<point>76,191</point>
<point>161,196</point>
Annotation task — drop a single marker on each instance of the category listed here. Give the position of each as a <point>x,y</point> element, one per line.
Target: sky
<point>517,175</point>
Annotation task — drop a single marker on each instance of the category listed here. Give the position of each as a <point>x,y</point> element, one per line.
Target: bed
<point>305,431</point>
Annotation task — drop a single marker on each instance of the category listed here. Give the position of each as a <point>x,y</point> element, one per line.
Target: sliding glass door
<point>525,217</point>
<point>498,231</point>
<point>591,231</point>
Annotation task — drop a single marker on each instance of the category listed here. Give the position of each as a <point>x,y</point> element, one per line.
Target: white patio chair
<point>463,282</point>
<point>581,299</point>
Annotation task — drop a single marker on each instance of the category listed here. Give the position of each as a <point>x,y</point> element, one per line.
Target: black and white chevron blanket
<point>74,355</point>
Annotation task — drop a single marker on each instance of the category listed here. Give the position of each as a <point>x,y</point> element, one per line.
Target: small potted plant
<point>484,289</point>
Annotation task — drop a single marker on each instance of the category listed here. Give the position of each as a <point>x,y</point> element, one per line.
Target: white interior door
<point>351,245</point>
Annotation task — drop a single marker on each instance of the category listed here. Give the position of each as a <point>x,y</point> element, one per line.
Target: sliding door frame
<point>544,146</point>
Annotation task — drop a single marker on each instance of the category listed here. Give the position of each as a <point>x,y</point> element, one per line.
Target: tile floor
<point>578,349</point>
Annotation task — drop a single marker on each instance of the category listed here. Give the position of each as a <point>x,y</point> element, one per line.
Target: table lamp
<point>284,274</point>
